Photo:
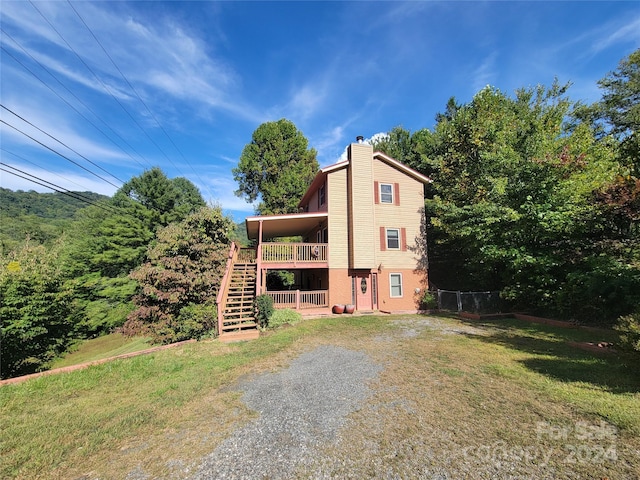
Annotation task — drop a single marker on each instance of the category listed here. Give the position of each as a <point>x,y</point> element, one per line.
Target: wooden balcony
<point>294,255</point>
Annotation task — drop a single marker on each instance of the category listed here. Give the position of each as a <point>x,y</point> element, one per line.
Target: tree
<point>105,246</point>
<point>168,200</point>
<point>276,167</point>
<point>35,310</point>
<point>179,283</point>
<point>413,149</point>
<point>514,209</point>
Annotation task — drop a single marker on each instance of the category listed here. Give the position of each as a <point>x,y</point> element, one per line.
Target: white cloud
<point>485,74</point>
<point>625,33</point>
<point>65,179</point>
<point>57,127</point>
<point>306,101</point>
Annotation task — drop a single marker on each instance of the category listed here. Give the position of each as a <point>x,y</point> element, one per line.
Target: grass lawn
<point>102,347</point>
<point>466,398</point>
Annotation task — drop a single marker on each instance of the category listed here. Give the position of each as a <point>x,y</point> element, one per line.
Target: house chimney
<point>359,139</point>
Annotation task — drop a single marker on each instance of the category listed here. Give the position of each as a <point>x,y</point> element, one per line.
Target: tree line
<point>147,261</point>
<point>534,194</point>
<point>537,196</point>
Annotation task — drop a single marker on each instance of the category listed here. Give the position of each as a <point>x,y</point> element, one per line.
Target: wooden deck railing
<point>224,284</point>
<point>294,252</point>
<point>299,300</point>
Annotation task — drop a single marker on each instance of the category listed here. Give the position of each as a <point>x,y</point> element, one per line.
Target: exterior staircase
<point>237,320</point>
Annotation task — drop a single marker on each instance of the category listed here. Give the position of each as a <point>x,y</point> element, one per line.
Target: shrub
<point>428,300</point>
<point>629,328</point>
<point>286,315</point>
<point>263,307</point>
<point>197,321</point>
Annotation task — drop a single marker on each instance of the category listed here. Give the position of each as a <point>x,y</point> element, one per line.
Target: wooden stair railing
<point>236,320</point>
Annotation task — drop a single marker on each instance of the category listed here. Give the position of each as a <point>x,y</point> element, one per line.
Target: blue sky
<point>183,85</point>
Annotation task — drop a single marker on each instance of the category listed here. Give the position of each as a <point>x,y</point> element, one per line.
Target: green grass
<point>538,356</point>
<point>105,420</point>
<point>102,347</point>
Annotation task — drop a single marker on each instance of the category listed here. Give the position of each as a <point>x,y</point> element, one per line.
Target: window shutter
<point>383,239</point>
<point>396,193</point>
<point>403,239</point>
<point>376,192</point>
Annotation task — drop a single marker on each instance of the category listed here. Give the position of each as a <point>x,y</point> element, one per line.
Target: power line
<point>75,96</point>
<point>139,98</point>
<point>106,88</point>
<point>42,168</point>
<point>60,142</point>
<point>58,153</point>
<point>54,187</point>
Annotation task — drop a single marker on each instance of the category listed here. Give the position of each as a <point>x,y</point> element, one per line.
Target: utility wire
<point>76,97</point>
<point>42,168</point>
<point>139,98</point>
<point>54,187</point>
<point>107,89</point>
<point>60,142</point>
<point>58,153</point>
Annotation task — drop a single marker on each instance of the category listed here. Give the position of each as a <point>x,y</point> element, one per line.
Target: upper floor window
<point>322,195</point>
<point>393,239</point>
<point>386,193</point>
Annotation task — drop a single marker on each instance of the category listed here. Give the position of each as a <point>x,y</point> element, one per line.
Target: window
<point>322,195</point>
<point>395,284</point>
<point>386,193</point>
<point>393,239</point>
<point>322,236</point>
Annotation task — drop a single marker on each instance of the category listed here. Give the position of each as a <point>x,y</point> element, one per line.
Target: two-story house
<point>358,222</point>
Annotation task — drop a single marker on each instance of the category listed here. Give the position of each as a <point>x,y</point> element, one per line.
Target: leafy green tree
<point>413,149</point>
<point>620,107</point>
<point>105,246</point>
<point>180,281</point>
<point>168,200</point>
<point>35,309</point>
<point>276,167</point>
<point>514,208</point>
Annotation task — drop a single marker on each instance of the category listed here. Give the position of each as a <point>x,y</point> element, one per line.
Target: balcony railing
<point>294,252</point>
<point>300,300</point>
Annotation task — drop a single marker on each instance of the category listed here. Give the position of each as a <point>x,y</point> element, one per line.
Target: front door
<point>363,291</point>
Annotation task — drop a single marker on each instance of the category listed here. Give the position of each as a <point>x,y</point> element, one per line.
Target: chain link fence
<point>474,302</point>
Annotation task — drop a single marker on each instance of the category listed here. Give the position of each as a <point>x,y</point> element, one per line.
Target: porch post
<point>259,261</point>
<point>297,299</point>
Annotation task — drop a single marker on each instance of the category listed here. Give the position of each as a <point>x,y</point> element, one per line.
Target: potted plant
<point>338,308</point>
<point>349,308</point>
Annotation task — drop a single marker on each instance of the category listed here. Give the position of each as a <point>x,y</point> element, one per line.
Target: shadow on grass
<point>550,354</point>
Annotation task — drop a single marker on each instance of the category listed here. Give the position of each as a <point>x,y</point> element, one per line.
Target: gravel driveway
<point>301,408</point>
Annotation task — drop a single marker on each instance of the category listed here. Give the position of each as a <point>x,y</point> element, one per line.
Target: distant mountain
<point>40,216</point>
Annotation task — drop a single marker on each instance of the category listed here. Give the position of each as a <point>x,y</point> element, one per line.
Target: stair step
<point>239,336</point>
<point>239,326</point>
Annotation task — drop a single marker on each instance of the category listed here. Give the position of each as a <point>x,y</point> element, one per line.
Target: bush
<point>429,301</point>
<point>286,315</point>
<point>629,328</point>
<point>197,321</point>
<point>263,307</point>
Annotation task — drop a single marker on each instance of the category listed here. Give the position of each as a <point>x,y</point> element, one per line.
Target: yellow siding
<point>338,219</point>
<point>407,215</point>
<point>312,206</point>
<point>362,207</point>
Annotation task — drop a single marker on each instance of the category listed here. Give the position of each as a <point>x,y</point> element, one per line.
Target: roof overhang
<point>289,225</point>
<point>402,167</point>
<point>319,179</point>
